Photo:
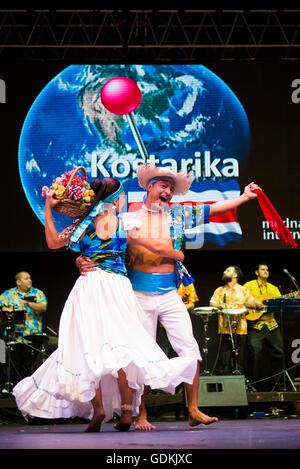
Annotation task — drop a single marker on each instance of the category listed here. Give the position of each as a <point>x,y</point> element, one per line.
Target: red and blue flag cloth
<point>221,229</point>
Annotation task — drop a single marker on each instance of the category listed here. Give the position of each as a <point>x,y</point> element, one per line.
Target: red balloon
<point>121,95</point>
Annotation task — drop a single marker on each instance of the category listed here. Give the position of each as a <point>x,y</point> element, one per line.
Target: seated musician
<point>28,305</point>
<point>227,298</point>
<point>264,336</point>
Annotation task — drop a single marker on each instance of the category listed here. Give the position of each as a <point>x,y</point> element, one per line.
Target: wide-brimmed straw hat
<point>147,172</point>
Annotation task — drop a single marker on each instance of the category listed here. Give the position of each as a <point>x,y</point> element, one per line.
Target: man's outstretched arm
<point>230,204</point>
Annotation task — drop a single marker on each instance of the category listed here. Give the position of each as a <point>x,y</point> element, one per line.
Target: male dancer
<point>154,278</point>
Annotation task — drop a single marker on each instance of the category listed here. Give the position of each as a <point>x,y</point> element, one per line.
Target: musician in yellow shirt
<point>188,295</point>
<point>264,331</point>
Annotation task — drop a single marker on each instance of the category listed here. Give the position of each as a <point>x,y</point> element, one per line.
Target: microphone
<point>292,278</point>
<point>287,273</point>
<point>224,298</point>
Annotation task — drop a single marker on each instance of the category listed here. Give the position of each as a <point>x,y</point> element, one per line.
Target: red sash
<point>275,220</point>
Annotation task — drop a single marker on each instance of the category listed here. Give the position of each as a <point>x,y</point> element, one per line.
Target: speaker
<point>221,391</point>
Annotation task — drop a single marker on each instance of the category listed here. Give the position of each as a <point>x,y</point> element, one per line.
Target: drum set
<point>36,343</point>
<point>233,315</point>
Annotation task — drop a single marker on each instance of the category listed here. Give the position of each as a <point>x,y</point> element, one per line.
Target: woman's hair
<point>104,187</point>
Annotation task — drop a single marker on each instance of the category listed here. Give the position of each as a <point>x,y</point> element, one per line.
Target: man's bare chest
<point>155,226</point>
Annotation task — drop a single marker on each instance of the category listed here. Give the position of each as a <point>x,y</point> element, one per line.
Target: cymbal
<point>38,339</point>
<point>52,343</point>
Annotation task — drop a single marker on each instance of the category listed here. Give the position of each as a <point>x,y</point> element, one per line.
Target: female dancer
<point>104,357</point>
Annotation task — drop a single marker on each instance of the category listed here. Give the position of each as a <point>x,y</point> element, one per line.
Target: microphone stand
<point>10,342</point>
<point>284,371</point>
<point>233,342</point>
<point>295,284</point>
<point>293,280</point>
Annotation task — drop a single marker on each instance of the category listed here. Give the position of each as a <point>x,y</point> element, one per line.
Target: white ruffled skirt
<point>100,332</point>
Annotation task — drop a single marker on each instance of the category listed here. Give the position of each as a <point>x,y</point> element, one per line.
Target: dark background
<point>264,89</point>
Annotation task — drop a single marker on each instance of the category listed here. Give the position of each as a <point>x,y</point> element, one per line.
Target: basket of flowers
<point>74,193</point>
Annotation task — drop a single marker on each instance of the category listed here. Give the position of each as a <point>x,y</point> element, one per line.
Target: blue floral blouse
<point>110,254</point>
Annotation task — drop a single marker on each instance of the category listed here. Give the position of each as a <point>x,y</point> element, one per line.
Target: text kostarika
<point>201,165</point>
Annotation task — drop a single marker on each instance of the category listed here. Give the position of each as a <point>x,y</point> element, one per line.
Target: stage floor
<point>250,434</point>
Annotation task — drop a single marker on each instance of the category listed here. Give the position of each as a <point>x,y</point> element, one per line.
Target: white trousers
<point>170,311</point>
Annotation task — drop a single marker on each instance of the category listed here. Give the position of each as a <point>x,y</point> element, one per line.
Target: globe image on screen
<point>186,112</point>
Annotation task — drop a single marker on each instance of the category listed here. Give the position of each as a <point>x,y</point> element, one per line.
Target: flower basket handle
<point>75,170</point>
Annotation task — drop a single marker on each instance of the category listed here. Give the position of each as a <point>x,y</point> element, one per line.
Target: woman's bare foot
<point>123,424</point>
<point>142,424</point>
<point>125,421</point>
<point>196,417</point>
<point>95,424</point>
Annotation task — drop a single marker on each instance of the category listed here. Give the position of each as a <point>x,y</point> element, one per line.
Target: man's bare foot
<point>95,424</point>
<point>196,417</point>
<point>142,424</point>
